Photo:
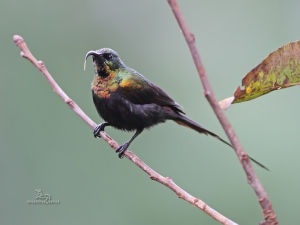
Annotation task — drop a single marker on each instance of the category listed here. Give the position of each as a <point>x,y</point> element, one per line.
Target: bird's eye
<point>107,56</point>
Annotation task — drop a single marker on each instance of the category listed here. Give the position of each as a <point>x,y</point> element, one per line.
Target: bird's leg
<point>124,147</point>
<point>100,127</point>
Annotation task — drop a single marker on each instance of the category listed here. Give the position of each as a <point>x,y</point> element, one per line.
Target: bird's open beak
<point>94,53</point>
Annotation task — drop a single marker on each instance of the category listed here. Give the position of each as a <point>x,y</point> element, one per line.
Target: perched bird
<point>126,100</point>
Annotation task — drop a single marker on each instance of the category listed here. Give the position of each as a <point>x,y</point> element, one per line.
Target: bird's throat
<point>102,86</point>
<point>102,71</point>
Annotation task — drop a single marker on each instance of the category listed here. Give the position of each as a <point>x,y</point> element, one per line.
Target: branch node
<point>206,93</point>
<point>18,39</point>
<point>41,63</point>
<point>69,101</point>
<point>204,206</point>
<point>168,179</point>
<point>196,200</point>
<point>180,196</point>
<point>152,177</point>
<point>191,38</point>
<point>244,156</point>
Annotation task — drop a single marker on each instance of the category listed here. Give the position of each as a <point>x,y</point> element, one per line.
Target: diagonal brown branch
<point>166,181</point>
<point>265,203</point>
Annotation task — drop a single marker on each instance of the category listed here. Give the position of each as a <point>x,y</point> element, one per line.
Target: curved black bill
<point>94,53</point>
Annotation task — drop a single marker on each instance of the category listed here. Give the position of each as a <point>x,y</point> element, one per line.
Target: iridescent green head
<point>105,60</point>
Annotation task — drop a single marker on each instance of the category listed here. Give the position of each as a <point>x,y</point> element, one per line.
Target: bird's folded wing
<point>141,91</point>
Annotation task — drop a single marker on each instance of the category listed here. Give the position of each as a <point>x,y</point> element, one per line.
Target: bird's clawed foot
<point>99,128</point>
<point>121,150</point>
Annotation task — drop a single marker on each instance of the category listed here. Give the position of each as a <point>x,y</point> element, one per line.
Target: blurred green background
<point>45,145</point>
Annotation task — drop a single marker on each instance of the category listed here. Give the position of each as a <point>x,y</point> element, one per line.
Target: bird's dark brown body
<point>123,114</point>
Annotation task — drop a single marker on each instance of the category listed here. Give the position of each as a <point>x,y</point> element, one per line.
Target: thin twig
<point>168,182</point>
<point>269,214</point>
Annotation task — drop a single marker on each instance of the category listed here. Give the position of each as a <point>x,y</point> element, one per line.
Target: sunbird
<point>126,100</point>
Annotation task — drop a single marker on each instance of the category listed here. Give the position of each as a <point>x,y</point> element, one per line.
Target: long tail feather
<point>184,121</point>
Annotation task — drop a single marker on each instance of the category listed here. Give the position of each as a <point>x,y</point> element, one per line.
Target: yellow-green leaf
<point>281,69</point>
